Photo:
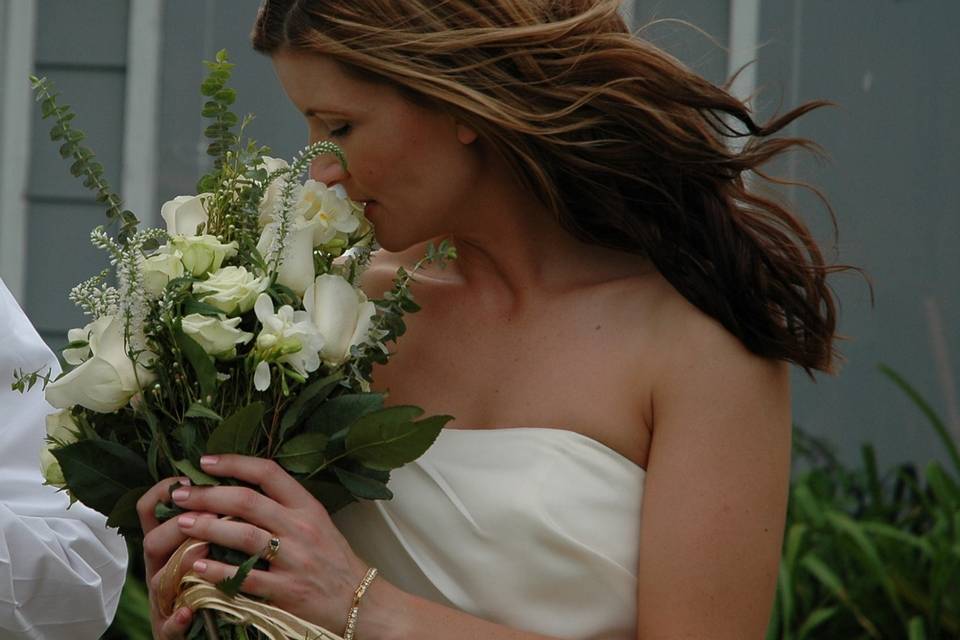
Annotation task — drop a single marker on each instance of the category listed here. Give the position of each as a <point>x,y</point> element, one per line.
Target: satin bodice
<point>533,528</point>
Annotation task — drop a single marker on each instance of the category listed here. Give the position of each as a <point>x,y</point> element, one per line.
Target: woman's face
<point>407,161</point>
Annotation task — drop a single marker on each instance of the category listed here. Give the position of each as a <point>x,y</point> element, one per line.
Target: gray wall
<point>81,47</point>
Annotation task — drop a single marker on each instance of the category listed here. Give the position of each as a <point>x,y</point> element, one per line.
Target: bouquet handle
<point>198,594</point>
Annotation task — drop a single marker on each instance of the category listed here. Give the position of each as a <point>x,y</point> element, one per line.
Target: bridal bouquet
<point>240,328</point>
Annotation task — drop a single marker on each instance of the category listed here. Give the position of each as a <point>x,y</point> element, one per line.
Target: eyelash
<point>342,131</point>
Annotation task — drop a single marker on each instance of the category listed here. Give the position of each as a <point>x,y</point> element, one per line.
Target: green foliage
<point>867,555</point>
<point>85,165</point>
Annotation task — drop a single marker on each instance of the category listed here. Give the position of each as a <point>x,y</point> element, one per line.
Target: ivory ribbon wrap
<point>196,593</point>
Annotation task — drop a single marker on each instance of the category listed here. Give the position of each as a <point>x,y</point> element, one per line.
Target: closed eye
<point>340,132</point>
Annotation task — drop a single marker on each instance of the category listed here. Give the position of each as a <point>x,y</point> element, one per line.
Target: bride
<point>614,339</point>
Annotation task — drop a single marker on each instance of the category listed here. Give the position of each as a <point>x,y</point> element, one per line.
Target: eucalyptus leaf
<point>124,513</point>
<point>309,397</point>
<point>387,439</point>
<point>235,433</point>
<point>303,453</point>
<point>198,410</point>
<point>339,413</point>
<point>196,476</point>
<point>361,486</point>
<point>100,472</point>
<point>332,495</point>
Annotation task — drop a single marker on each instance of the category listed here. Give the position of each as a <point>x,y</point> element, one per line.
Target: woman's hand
<point>159,543</point>
<point>314,573</point>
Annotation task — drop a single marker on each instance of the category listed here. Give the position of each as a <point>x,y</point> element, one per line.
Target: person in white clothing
<point>61,570</point>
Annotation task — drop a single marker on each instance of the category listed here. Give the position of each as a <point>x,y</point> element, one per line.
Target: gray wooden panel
<point>895,151</point>
<point>82,32</point>
<point>59,256</point>
<point>203,28</point>
<point>691,47</point>
<point>97,97</point>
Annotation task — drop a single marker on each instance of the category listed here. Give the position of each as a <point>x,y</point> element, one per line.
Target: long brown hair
<point>628,147</point>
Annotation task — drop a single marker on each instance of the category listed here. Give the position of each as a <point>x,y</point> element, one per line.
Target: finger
<point>257,583</point>
<point>232,534</point>
<point>176,626</point>
<point>267,474</point>
<point>162,541</point>
<point>242,502</point>
<point>159,492</point>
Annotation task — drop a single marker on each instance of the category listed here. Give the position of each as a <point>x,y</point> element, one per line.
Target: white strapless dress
<point>533,528</point>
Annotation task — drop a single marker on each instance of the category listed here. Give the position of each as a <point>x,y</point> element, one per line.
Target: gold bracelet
<point>355,609</point>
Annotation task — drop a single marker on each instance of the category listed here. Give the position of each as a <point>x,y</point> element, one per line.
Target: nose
<point>327,169</point>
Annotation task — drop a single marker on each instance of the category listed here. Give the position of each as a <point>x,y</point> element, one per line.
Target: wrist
<point>385,612</point>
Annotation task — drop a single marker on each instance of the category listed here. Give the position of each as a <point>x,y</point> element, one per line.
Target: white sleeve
<point>61,571</point>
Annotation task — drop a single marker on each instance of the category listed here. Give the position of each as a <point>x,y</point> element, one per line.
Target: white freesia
<point>296,269</point>
<point>77,355</point>
<point>342,314</point>
<point>288,337</point>
<point>184,214</point>
<point>62,428</point>
<point>160,268</point>
<point>330,208</point>
<point>217,336</point>
<point>271,196</point>
<point>233,290</point>
<point>107,380</point>
<point>203,254</point>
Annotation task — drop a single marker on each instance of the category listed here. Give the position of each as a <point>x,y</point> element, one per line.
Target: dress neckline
<point>568,433</point>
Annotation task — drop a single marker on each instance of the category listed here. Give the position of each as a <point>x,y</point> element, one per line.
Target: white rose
<point>296,270</point>
<point>107,380</point>
<point>62,429</point>
<point>184,214</point>
<point>271,196</point>
<point>287,337</point>
<point>330,208</point>
<point>342,314</point>
<point>160,268</point>
<point>203,254</point>
<point>217,336</point>
<point>233,290</point>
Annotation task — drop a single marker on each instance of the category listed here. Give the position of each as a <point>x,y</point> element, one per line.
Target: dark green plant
<point>868,555</point>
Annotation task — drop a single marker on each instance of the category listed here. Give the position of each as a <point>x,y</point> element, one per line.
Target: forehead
<point>318,82</point>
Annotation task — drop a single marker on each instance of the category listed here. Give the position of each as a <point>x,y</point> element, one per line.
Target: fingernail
<point>185,481</point>
<point>209,461</point>
<point>186,521</point>
<point>183,616</point>
<point>181,494</point>
<point>200,566</point>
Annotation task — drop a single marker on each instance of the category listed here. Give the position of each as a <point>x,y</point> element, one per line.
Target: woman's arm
<point>716,489</point>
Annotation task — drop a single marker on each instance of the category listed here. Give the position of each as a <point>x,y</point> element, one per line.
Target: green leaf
<point>303,453</point>
<point>198,410</point>
<point>331,495</point>
<point>308,398</point>
<point>231,586</point>
<point>880,529</point>
<point>361,486</point>
<point>387,439</point>
<point>341,412</point>
<point>816,618</point>
<point>235,433</point>
<point>196,476</point>
<point>124,513</point>
<point>201,362</point>
<point>100,472</point>
<point>917,631</point>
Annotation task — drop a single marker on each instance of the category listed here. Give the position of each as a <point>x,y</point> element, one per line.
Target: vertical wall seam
<point>142,110</point>
<point>18,57</point>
